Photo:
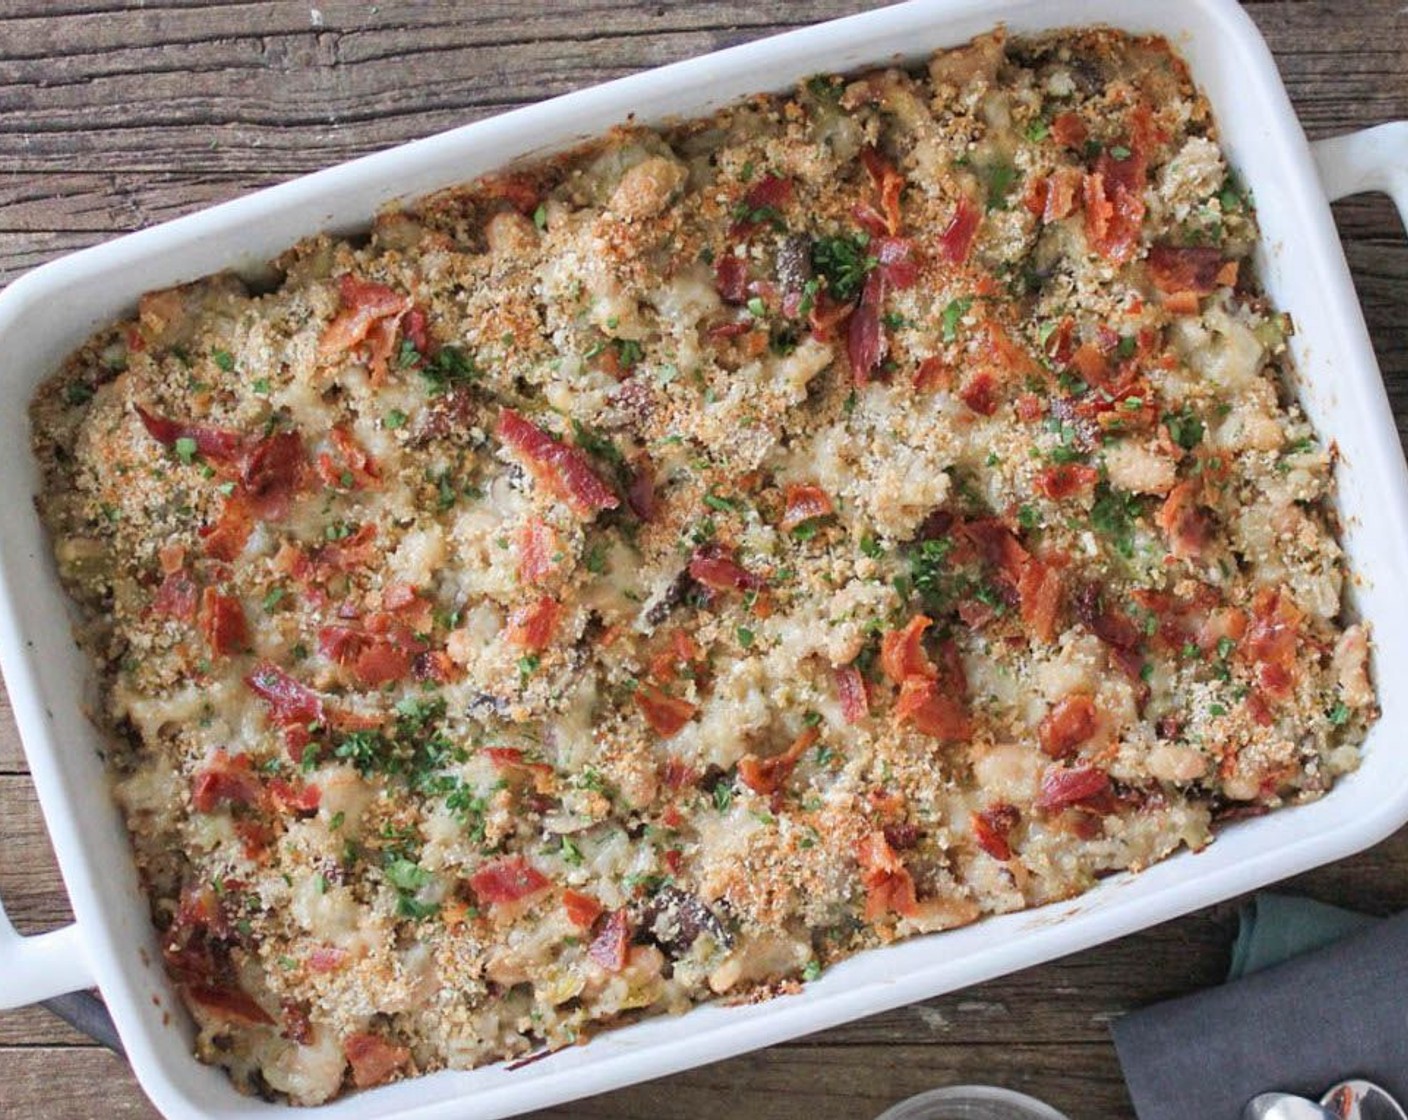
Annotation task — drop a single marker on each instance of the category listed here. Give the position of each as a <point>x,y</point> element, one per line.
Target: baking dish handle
<point>42,966</point>
<point>1373,159</point>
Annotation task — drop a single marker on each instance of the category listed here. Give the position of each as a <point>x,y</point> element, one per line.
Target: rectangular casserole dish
<point>48,312</point>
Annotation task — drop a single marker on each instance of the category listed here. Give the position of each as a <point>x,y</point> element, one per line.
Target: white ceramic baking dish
<point>48,312</point>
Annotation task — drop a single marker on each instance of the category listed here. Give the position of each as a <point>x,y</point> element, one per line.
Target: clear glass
<point>971,1102</point>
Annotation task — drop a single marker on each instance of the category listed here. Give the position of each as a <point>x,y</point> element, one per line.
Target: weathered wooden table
<point>116,116</point>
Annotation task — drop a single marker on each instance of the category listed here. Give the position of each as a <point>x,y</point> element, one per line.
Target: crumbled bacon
<point>1069,723</point>
<point>232,1004</point>
<point>373,1059</point>
<point>889,185</point>
<point>1062,186</point>
<point>294,797</point>
<point>866,343</point>
<point>956,240</point>
<point>326,958</point>
<point>582,909</point>
<point>1185,523</point>
<point>932,710</point>
<point>507,880</point>
<point>1111,626</point>
<point>222,623</point>
<point>272,474</point>
<point>1062,787</point>
<point>612,943</point>
<point>215,444</point>
<point>1271,640</point>
<point>895,262</point>
<point>804,503</point>
<point>1068,129</point>
<point>532,626</point>
<point>768,775</point>
<point>902,651</point>
<point>731,278</point>
<point>539,553</point>
<point>562,470</point>
<point>176,597</point>
<point>1192,268</point>
<point>770,193</point>
<point>1114,204</point>
<point>1040,590</point>
<point>364,304</point>
<point>714,567</point>
<point>347,466</point>
<point>979,393</point>
<point>888,884</point>
<point>1066,480</point>
<point>851,691</point>
<point>290,701</point>
<point>992,828</point>
<point>665,714</point>
<point>225,779</point>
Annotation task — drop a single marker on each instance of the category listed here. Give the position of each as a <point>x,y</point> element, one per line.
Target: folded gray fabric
<point>1298,1026</point>
<point>1276,927</point>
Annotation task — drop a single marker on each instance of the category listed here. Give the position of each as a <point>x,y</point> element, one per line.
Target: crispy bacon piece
<point>827,316</point>
<point>507,880</point>
<point>364,304</point>
<point>215,444</point>
<point>1111,626</point>
<point>933,373</point>
<point>895,262</point>
<point>1184,522</point>
<point>273,474</point>
<point>1062,188</point>
<point>582,909</point>
<point>679,774</point>
<point>768,775</point>
<point>1114,204</point>
<point>531,627</point>
<point>851,690</point>
<point>1040,589</point>
<point>888,884</point>
<point>347,466</point>
<point>889,185</point>
<point>979,393</point>
<point>326,958</point>
<point>1271,639</point>
<point>771,192</point>
<point>1069,723</point>
<point>713,566</point>
<point>611,945</point>
<point>865,336</point>
<point>932,710</point>
<point>225,779</point>
<point>562,470</point>
<point>538,552</point>
<point>731,278</point>
<point>176,597</point>
<point>232,1004</point>
<point>383,650</point>
<point>640,492</point>
<point>1066,480</point>
<point>902,653</point>
<point>1194,268</point>
<point>1068,129</point>
<point>1062,787</point>
<point>992,827</point>
<point>290,701</point>
<point>290,797</point>
<point>373,1059</point>
<point>803,504</point>
<point>956,240</point>
<point>665,714</point>
<point>222,622</point>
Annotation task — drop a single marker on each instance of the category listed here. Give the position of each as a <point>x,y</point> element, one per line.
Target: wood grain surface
<point>115,116</point>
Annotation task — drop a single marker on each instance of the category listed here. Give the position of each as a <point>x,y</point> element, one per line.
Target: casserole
<point>1277,168</point>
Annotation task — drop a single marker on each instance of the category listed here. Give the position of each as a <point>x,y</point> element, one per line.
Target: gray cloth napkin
<point>1338,1010</point>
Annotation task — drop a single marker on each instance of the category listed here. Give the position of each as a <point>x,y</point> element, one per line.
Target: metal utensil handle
<point>1373,159</point>
<point>39,967</point>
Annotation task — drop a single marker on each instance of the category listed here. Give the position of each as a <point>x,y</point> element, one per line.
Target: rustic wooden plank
<point>30,886</point>
<point>34,1026</point>
<point>66,1083</point>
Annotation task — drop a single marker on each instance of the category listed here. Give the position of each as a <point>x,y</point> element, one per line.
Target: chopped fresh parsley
<point>1339,714</point>
<point>186,449</point>
<point>843,262</point>
<point>224,359</point>
<point>952,314</point>
<point>1184,428</point>
<point>449,367</point>
<point>1113,516</point>
<point>745,637</point>
<point>394,419</point>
